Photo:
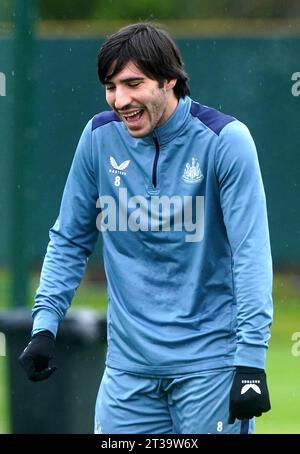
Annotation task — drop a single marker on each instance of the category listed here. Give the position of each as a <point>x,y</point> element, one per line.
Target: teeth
<point>132,114</point>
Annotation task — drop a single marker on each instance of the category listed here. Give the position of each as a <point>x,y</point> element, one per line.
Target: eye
<point>109,87</point>
<point>133,84</point>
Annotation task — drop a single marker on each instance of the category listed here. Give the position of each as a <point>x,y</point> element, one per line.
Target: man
<point>175,188</point>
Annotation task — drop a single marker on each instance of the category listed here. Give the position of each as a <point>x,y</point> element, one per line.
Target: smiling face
<point>140,102</point>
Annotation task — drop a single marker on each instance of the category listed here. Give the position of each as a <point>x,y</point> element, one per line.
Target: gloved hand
<point>249,395</point>
<point>36,356</point>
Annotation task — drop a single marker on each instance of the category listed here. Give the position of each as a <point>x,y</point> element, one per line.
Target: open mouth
<point>133,118</point>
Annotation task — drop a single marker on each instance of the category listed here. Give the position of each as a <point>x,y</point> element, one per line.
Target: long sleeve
<point>72,239</point>
<point>243,204</point>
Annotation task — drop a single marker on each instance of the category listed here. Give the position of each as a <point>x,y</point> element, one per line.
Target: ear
<point>170,84</point>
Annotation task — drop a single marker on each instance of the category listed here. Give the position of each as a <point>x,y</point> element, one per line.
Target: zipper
<point>155,162</point>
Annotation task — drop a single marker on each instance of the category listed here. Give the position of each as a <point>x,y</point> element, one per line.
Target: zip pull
<point>155,162</point>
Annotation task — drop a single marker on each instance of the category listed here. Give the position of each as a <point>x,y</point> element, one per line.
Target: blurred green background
<point>242,58</point>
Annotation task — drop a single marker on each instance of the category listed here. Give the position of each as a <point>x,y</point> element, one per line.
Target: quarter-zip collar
<point>172,127</point>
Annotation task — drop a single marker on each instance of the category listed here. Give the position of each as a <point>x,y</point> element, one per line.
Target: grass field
<point>283,369</point>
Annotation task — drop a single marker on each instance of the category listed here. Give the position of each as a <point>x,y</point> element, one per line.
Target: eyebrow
<point>128,79</point>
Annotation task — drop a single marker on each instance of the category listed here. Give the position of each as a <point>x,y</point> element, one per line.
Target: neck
<point>172,103</point>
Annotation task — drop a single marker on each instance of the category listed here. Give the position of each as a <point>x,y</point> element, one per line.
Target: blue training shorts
<point>196,403</point>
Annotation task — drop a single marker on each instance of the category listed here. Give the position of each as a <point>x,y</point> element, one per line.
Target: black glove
<point>249,395</point>
<point>36,356</point>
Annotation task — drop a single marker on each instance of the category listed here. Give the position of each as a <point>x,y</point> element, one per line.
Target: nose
<point>122,98</point>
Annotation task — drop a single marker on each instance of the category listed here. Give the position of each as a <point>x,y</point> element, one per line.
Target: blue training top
<point>185,243</point>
